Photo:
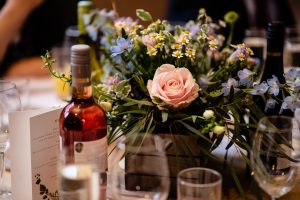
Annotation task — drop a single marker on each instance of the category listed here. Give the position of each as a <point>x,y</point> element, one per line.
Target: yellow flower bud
<point>219,129</point>
<point>208,114</point>
<point>106,106</point>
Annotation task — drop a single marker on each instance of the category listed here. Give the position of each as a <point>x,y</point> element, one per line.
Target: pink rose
<point>176,87</point>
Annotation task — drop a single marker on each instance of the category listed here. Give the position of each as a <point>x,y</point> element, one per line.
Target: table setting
<point>154,111</point>
<point>47,89</point>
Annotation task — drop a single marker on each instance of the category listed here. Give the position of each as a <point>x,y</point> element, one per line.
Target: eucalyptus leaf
<point>121,85</point>
<point>203,100</point>
<point>194,117</point>
<point>164,116</point>
<point>143,15</point>
<point>216,93</point>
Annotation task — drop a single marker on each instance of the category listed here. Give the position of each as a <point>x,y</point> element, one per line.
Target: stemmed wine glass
<point>139,169</point>
<point>9,101</point>
<point>275,154</point>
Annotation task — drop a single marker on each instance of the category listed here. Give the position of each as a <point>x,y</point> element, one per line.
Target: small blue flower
<point>296,85</point>
<point>274,85</point>
<point>270,104</point>
<point>292,78</point>
<point>122,45</point>
<point>292,75</point>
<point>230,83</point>
<point>260,89</point>
<point>246,77</point>
<point>193,28</point>
<point>203,82</point>
<point>290,102</point>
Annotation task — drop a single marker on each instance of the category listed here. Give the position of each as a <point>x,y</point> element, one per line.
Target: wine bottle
<point>274,64</point>
<point>83,126</point>
<point>83,7</point>
<point>274,67</point>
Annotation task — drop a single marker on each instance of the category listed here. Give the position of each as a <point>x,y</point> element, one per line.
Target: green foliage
<point>48,64</point>
<point>143,15</point>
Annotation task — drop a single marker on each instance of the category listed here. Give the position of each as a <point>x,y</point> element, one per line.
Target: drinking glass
<point>9,101</point>
<point>22,84</point>
<point>139,169</point>
<point>82,179</point>
<point>275,154</point>
<point>199,184</point>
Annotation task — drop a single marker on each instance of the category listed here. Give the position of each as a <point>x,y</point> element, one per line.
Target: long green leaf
<point>145,102</point>
<point>195,131</point>
<point>237,182</point>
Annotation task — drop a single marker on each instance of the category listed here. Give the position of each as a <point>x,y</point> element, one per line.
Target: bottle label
<point>274,54</point>
<point>92,151</point>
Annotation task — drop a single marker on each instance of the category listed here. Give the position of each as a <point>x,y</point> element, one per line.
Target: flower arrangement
<point>187,80</point>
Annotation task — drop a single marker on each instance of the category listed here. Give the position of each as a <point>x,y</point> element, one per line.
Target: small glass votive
<point>199,184</point>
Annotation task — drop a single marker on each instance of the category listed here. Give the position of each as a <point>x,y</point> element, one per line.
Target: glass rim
<point>266,119</point>
<point>8,85</point>
<point>202,185</point>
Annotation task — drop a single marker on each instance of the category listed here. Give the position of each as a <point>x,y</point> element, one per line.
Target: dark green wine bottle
<point>274,64</point>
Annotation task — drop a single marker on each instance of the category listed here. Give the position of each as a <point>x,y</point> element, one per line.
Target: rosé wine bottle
<point>83,126</point>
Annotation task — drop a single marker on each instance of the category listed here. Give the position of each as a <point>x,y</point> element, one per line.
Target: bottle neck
<point>275,46</point>
<point>274,61</point>
<point>82,88</point>
<point>83,92</point>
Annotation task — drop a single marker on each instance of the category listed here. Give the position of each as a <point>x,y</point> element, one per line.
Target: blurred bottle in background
<point>62,55</point>
<point>292,47</point>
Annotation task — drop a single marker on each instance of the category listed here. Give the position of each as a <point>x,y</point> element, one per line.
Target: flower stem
<point>229,40</point>
<point>114,6</point>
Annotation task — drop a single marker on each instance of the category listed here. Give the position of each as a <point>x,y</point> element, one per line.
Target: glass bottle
<point>83,7</point>
<point>83,126</point>
<point>274,59</point>
<point>274,64</point>
<point>274,67</point>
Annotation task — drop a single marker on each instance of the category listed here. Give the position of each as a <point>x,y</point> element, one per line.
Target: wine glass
<point>139,169</point>
<point>275,154</point>
<point>9,101</point>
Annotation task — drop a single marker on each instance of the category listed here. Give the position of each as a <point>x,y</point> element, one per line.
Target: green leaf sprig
<point>48,64</point>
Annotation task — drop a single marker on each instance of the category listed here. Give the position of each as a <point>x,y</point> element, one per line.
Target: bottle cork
<point>80,64</point>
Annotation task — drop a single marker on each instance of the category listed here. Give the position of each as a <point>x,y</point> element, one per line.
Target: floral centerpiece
<point>187,80</point>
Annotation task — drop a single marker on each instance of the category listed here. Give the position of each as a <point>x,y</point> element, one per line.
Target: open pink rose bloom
<point>176,87</point>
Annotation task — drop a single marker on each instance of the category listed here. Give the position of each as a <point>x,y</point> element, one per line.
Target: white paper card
<point>34,138</point>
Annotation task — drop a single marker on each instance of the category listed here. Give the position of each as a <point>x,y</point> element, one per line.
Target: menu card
<point>34,139</point>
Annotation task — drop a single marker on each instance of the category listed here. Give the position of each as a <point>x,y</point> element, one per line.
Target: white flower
<point>106,106</point>
<point>208,114</point>
<point>177,54</point>
<point>219,129</point>
<point>213,44</point>
<point>190,53</point>
<point>176,46</point>
<point>151,51</point>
